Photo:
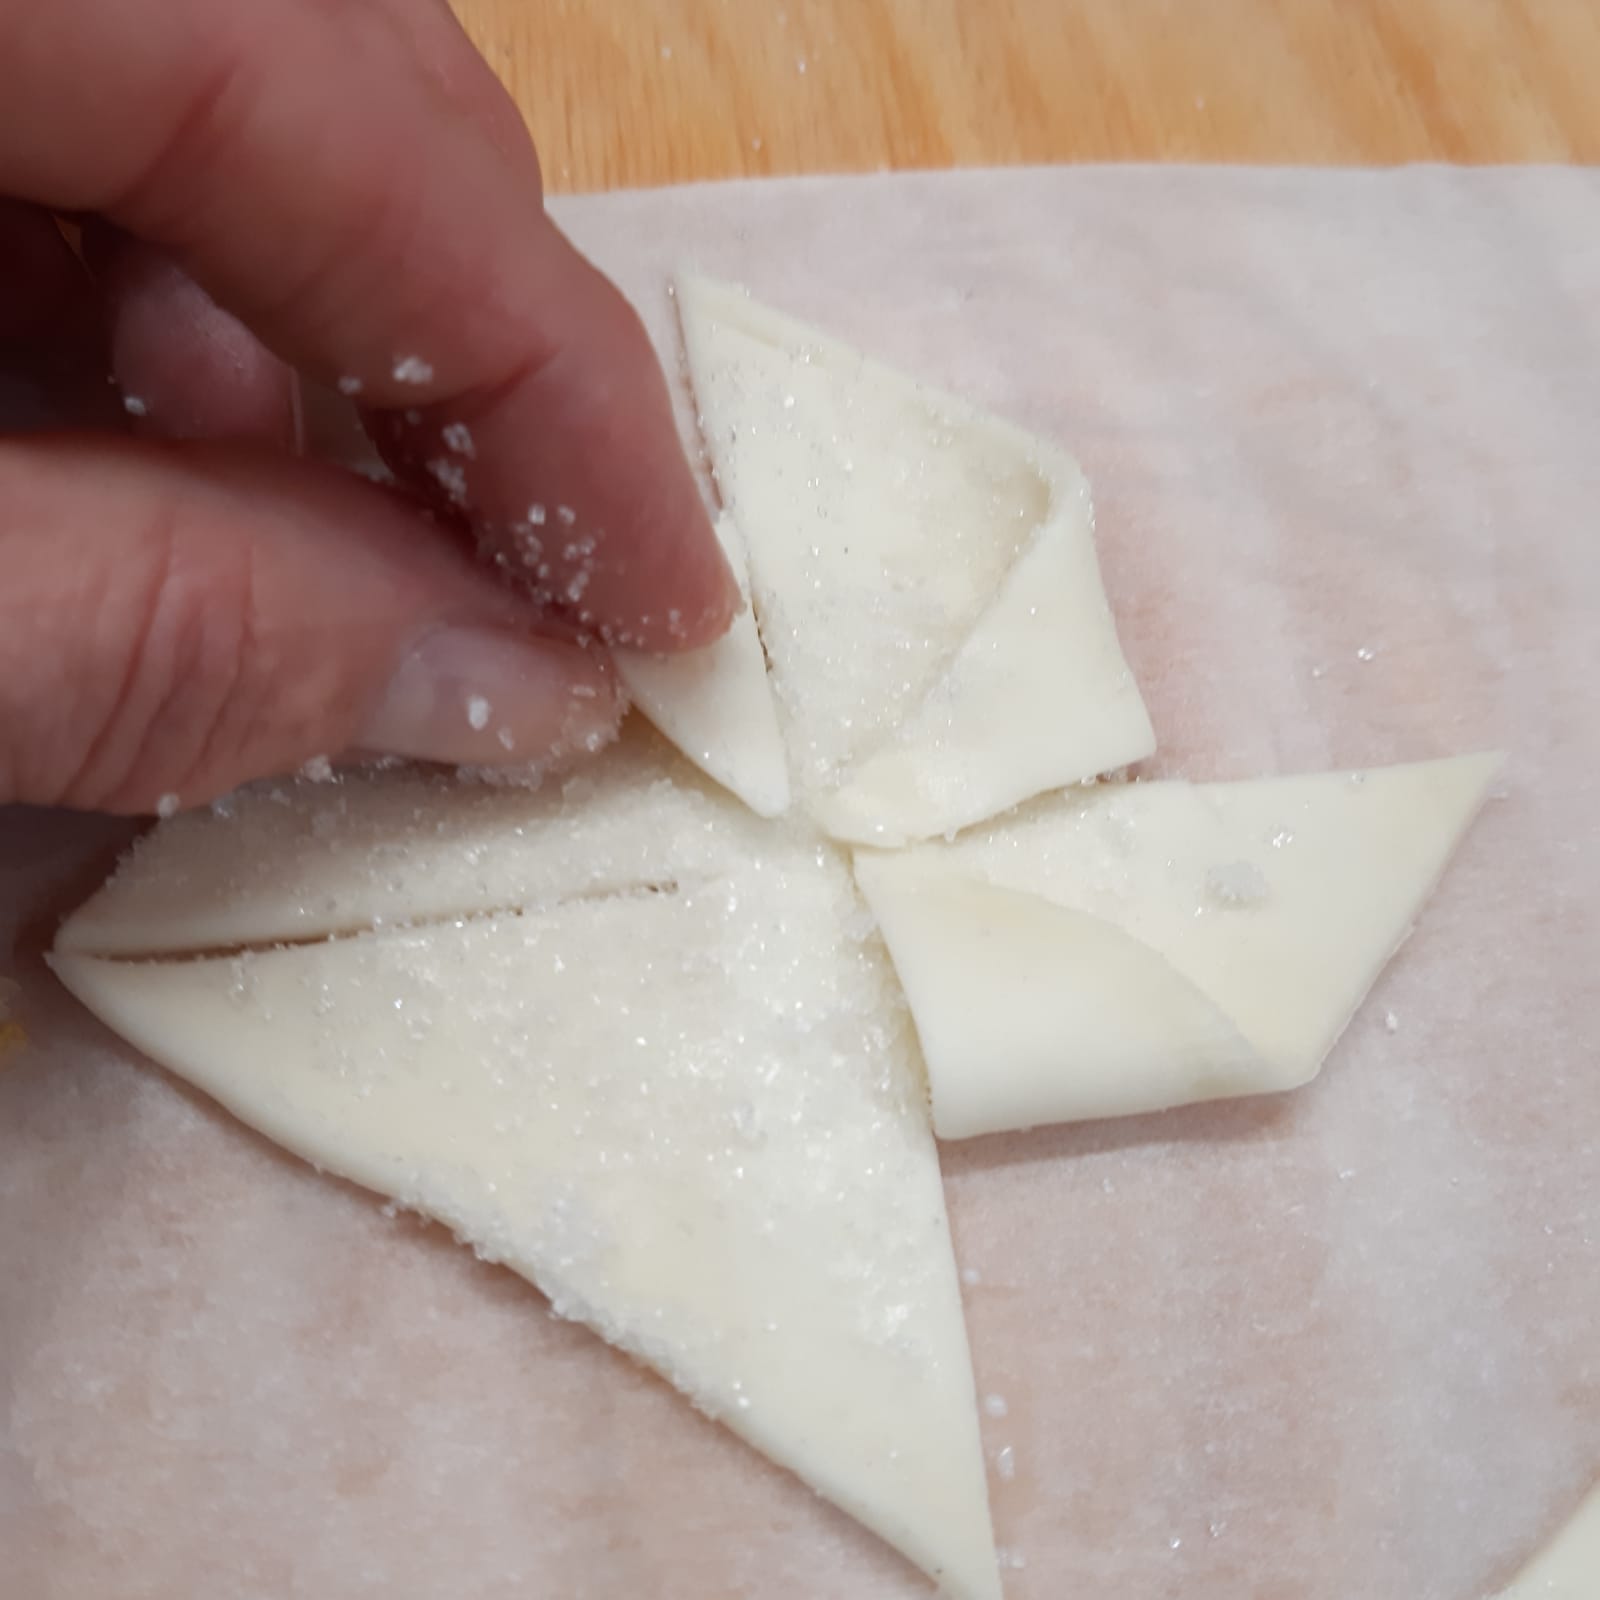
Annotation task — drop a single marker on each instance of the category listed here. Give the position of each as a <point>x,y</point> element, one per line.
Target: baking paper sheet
<point>1344,433</point>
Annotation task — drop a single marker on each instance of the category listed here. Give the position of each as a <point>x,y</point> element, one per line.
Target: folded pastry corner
<point>1029,1012</point>
<point>1127,947</point>
<point>716,705</point>
<point>923,575</point>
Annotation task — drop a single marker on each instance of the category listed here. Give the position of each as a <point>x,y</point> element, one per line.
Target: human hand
<point>339,187</point>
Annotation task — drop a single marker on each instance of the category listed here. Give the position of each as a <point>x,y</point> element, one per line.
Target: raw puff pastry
<point>648,1050</point>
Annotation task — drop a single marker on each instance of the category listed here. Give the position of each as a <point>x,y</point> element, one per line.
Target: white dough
<point>1030,1013</point>
<point>1568,1568</point>
<point>716,704</point>
<point>1127,947</point>
<point>687,1107</point>
<point>924,578</point>
<point>302,860</point>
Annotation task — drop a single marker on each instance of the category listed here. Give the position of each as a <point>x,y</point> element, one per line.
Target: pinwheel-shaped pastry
<point>662,1036</point>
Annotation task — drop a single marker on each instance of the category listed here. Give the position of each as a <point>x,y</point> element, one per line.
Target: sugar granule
<point>168,805</point>
<point>1236,884</point>
<point>134,406</point>
<point>567,515</point>
<point>349,385</point>
<point>458,437</point>
<point>451,477</point>
<point>478,712</point>
<point>413,369</point>
<point>319,769</point>
<point>536,515</point>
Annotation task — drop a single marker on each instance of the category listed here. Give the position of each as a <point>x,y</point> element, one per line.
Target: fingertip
<point>233,616</point>
<point>588,510</point>
<point>710,574</point>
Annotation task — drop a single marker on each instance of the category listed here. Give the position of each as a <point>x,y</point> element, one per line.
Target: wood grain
<point>640,92</point>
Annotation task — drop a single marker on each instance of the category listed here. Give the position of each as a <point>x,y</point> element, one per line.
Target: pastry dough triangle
<point>1278,901</point>
<point>715,1151</point>
<point>716,704</point>
<point>298,860</point>
<point>924,577</point>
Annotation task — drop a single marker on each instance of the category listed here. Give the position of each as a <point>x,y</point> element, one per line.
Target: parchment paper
<point>1339,1344</point>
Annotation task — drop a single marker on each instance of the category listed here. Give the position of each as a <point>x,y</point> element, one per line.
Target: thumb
<point>176,622</point>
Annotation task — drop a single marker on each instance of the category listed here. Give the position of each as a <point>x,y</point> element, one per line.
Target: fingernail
<point>475,697</point>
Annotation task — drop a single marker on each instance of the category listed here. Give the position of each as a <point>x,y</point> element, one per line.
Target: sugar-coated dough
<point>1263,912</point>
<point>1037,696</point>
<point>924,578</point>
<point>1568,1568</point>
<point>685,1105</point>
<point>716,704</point>
<point>302,860</point>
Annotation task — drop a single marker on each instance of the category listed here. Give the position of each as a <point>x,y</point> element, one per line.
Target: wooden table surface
<point>639,92</point>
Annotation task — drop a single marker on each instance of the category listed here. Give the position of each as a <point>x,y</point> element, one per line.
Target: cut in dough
<point>287,862</point>
<point>1568,1568</point>
<point>716,704</point>
<point>713,1151</point>
<point>924,577</point>
<point>1128,947</point>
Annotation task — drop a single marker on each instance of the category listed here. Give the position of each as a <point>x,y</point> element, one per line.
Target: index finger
<point>351,181</point>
